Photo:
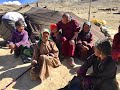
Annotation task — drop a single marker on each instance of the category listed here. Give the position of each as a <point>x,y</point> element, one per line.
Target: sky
<point>18,2</point>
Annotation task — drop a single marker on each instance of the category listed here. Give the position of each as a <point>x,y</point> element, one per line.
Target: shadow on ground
<point>23,83</point>
<point>8,61</point>
<point>72,70</point>
<point>11,68</point>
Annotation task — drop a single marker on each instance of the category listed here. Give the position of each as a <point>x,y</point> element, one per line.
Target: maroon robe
<point>116,47</point>
<point>68,31</point>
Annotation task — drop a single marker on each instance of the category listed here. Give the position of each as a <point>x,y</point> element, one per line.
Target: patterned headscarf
<point>87,34</point>
<point>41,34</point>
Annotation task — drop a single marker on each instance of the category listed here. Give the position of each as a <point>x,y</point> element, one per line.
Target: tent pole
<point>14,80</point>
<point>37,3</point>
<point>89,10</point>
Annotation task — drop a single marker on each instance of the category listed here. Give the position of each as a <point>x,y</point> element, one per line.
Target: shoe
<point>26,59</point>
<point>71,62</point>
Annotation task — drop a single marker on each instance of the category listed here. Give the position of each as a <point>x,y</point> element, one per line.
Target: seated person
<point>103,76</point>
<point>85,42</point>
<point>70,29</point>
<point>19,40</point>
<point>104,30</point>
<point>56,36</point>
<point>9,20</point>
<point>45,57</point>
<point>116,47</point>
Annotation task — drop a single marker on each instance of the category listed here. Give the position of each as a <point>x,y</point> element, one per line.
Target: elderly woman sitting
<point>104,71</point>
<point>45,57</point>
<point>85,42</point>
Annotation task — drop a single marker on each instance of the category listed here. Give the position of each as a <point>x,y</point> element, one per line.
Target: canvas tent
<point>39,18</point>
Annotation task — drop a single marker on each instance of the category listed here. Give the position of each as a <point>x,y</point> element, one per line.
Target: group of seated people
<point>66,38</point>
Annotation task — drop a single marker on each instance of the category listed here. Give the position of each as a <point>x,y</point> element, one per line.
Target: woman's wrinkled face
<point>97,52</point>
<point>45,36</point>
<point>86,28</point>
<point>65,20</point>
<point>20,28</point>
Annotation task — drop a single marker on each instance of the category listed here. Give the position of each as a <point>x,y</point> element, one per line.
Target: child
<point>56,36</point>
<point>85,41</point>
<point>19,41</point>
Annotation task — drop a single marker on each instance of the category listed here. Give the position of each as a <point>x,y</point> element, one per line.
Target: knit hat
<point>53,26</point>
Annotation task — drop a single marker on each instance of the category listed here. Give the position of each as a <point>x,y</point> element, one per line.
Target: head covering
<point>87,23</point>
<point>53,26</point>
<point>104,46</point>
<point>45,30</point>
<point>87,34</point>
<point>41,34</point>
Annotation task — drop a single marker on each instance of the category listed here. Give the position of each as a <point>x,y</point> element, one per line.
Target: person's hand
<point>85,43</point>
<point>34,63</point>
<point>72,42</point>
<point>80,42</point>
<point>51,54</point>
<point>12,46</point>
<point>85,47</point>
<point>11,51</point>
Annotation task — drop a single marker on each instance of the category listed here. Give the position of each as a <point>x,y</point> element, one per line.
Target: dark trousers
<point>19,50</point>
<point>67,49</point>
<point>74,84</point>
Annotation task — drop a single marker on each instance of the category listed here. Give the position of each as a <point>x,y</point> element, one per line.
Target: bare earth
<point>10,68</point>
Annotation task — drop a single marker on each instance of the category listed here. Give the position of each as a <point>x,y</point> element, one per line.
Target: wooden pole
<point>37,4</point>
<point>16,79</point>
<point>89,10</point>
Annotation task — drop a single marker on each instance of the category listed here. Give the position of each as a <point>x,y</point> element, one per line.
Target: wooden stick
<point>89,10</point>
<point>16,79</point>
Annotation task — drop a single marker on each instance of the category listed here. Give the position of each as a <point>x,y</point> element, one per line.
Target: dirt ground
<point>10,68</point>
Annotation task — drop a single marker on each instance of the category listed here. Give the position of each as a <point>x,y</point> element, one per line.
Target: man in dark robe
<point>70,29</point>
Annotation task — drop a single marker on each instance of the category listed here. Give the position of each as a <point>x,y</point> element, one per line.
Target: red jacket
<point>116,41</point>
<point>68,29</point>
